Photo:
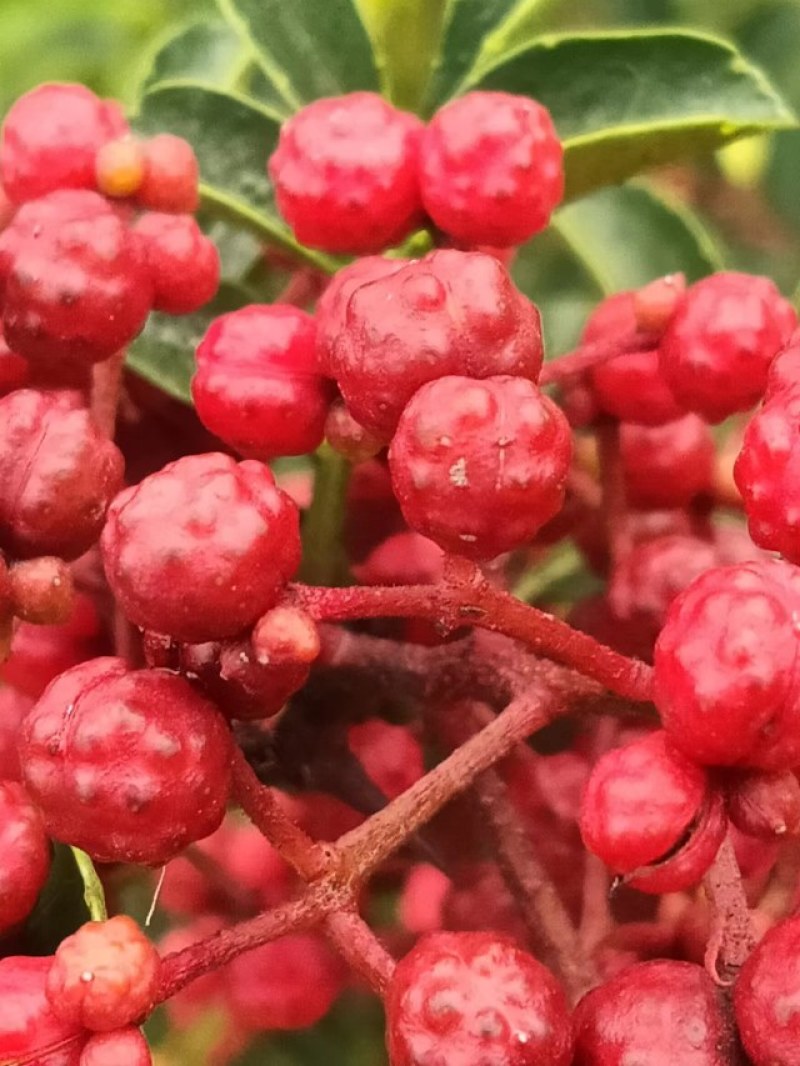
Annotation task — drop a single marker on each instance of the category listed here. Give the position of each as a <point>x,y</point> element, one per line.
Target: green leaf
<point>93,893</point>
<point>406,36</point>
<point>307,50</point>
<point>210,52</point>
<point>625,101</point>
<point>233,137</point>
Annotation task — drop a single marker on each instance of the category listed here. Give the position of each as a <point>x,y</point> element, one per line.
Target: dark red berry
<point>765,805</point>
<point>469,998</point>
<point>716,352</point>
<point>122,1047</point>
<point>30,1033</point>
<point>345,174</point>
<point>765,997</point>
<point>655,1013</point>
<point>449,313</point>
<point>726,668</point>
<point>491,168</point>
<point>480,466</point>
<point>131,766</point>
<point>257,386</point>
<point>202,548</point>
<point>668,465</point>
<point>50,139</point>
<point>26,855</point>
<point>57,475</point>
<point>14,369</point>
<point>183,263</point>
<point>42,591</point>
<point>171,176</point>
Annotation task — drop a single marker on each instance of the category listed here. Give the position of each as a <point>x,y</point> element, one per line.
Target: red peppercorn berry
<point>171,176</point>
<point>26,855</point>
<point>667,465</point>
<point>122,1047</point>
<point>29,1031</point>
<point>183,263</point>
<point>765,995</point>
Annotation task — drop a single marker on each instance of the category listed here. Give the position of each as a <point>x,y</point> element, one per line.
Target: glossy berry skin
<point>76,285</point>
<point>629,387</point>
<point>717,350</point>
<point>26,855</point>
<point>480,466</point>
<point>491,168</point>
<point>765,805</point>
<point>345,174</point>
<point>104,976</point>
<point>131,766</point>
<point>668,465</point>
<point>202,548</point>
<point>122,1047</point>
<point>726,669</point>
<point>50,138</point>
<point>449,313</point>
<point>766,473</point>
<point>459,999</point>
<point>659,1013</point>
<point>29,1031</point>
<point>58,475</point>
<point>171,176</point>
<point>182,262</point>
<point>257,386</point>
<point>766,994</point>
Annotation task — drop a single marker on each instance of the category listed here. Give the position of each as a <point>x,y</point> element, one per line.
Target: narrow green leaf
<point>307,50</point>
<point>406,36</point>
<point>93,893</point>
<point>625,101</point>
<point>60,909</point>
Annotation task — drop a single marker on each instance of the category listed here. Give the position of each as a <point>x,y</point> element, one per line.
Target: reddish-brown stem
<point>106,388</point>
<point>303,287</point>
<point>356,943</point>
<point>567,367</point>
<point>732,937</point>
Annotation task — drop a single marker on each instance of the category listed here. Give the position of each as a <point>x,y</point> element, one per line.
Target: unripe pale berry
<point>42,591</point>
<point>491,168</point>
<point>202,548</point>
<point>348,437</point>
<point>26,855</point>
<point>345,174</point>
<point>104,976</point>
<point>765,995</point>
<point>480,466</point>
<point>131,766</point>
<point>182,262</point>
<point>119,167</point>
<point>257,385</point>
<point>171,176</point>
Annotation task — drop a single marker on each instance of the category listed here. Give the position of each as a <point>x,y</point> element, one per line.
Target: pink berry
<point>131,766</point>
<point>655,1013</point>
<point>765,805</point>
<point>26,855</point>
<point>202,548</point>
<point>480,466</point>
<point>30,1033</point>
<point>104,976</point>
<point>345,174</point>
<point>50,138</point>
<point>468,998</point>
<point>402,559</point>
<point>491,168</point>
<point>765,996</point>
<point>726,668</point>
<point>420,905</point>
<point>57,475</point>
<point>257,386</point>
<point>629,387</point>
<point>668,465</point>
<point>390,755</point>
<point>449,313</point>
<point>122,1047</point>
<point>716,352</point>
<point>171,176</point>
<point>183,263</point>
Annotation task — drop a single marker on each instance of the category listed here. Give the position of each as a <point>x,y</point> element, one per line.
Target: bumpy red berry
<point>257,386</point>
<point>345,174</point>
<point>50,139</point>
<point>29,1031</point>
<point>668,465</point>
<point>784,371</point>
<point>716,352</point>
<point>131,766</point>
<point>765,805</point>
<point>465,998</point>
<point>57,475</point>
<point>183,263</point>
<point>659,1013</point>
<point>491,168</point>
<point>76,284</point>
<point>201,548</point>
<point>26,855</point>
<point>104,976</point>
<point>332,306</point>
<point>123,1047</point>
<point>480,466</point>
<point>171,176</point>
<point>631,386</point>
<point>449,313</point>
<point>726,667</point>
<point>765,997</point>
